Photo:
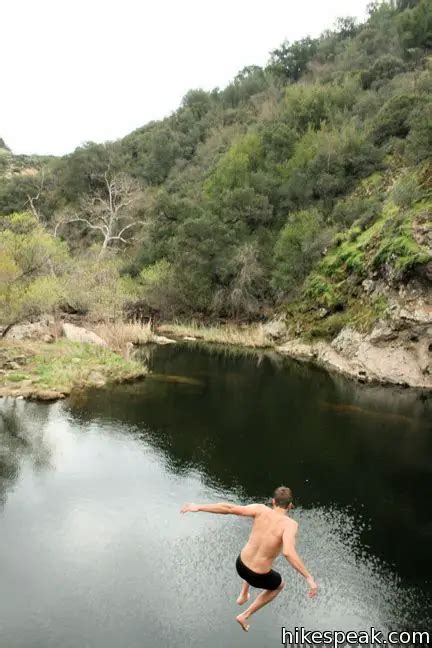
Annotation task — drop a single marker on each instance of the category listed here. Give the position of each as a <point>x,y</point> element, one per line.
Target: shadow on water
<point>211,424</point>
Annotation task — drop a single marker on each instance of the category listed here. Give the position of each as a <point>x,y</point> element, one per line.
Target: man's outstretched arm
<point>223,509</point>
<point>290,553</point>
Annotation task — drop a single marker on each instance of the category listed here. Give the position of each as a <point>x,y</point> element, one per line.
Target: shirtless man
<point>272,532</point>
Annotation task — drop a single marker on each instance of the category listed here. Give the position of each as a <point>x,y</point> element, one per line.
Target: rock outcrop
<point>80,334</point>
<point>397,351</point>
<point>275,329</point>
<point>41,329</point>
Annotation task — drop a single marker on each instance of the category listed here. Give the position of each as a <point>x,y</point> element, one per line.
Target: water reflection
<point>333,441</point>
<point>93,551</point>
<point>21,435</point>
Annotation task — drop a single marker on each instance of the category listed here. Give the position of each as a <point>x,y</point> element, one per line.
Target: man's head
<point>283,497</point>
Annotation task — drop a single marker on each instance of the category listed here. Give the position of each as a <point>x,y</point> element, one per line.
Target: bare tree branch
<point>31,200</point>
<point>110,211</point>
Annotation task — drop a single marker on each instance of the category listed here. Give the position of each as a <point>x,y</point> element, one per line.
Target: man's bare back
<point>273,532</point>
<point>266,538</point>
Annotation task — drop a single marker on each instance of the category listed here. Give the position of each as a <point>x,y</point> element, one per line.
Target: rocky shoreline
<point>37,364</point>
<point>46,360</point>
<point>398,350</point>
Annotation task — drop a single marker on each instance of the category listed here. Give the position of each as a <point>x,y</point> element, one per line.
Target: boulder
<point>14,366</point>
<point>30,331</point>
<point>276,329</point>
<point>80,334</point>
<point>161,339</point>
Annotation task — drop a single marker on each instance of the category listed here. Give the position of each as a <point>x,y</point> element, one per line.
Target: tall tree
<point>109,212</point>
<point>406,4</point>
<point>290,61</point>
<point>30,262</point>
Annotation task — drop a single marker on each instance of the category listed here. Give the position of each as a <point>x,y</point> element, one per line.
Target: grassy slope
<point>387,249</point>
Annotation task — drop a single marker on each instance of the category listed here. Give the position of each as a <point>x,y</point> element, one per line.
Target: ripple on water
<point>92,541</point>
<point>357,590</point>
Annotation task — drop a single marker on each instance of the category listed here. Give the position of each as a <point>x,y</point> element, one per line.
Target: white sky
<point>79,70</point>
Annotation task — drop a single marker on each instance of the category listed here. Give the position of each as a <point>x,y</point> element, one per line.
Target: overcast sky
<point>79,70</point>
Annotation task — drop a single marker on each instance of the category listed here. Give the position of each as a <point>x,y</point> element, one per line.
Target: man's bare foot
<point>241,619</point>
<point>243,598</point>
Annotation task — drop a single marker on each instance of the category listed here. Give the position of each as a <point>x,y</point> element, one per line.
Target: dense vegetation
<point>285,190</point>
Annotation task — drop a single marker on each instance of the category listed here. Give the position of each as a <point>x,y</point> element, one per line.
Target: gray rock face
<point>398,350</point>
<point>417,315</point>
<point>80,334</point>
<point>276,329</point>
<point>30,331</point>
<point>347,342</point>
<point>382,332</point>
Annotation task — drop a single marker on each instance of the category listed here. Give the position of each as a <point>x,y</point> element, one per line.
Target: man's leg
<point>262,599</point>
<point>244,594</point>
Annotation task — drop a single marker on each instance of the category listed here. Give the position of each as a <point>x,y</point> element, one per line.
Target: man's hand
<point>189,508</point>
<point>313,587</point>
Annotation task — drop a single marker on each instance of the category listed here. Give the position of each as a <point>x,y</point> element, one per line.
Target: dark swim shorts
<point>269,581</point>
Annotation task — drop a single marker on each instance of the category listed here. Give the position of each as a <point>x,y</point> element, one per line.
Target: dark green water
<point>93,551</point>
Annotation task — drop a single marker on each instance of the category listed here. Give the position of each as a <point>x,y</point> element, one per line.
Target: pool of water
<point>94,552</point>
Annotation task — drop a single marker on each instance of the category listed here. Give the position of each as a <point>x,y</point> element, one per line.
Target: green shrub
<point>385,68</point>
<point>298,248</point>
<point>419,140</point>
<point>327,163</point>
<point>235,166</point>
<point>406,191</point>
<point>392,118</point>
<point>363,211</point>
<point>401,252</point>
<point>159,286</point>
<point>308,106</point>
<point>415,26</point>
<point>322,292</point>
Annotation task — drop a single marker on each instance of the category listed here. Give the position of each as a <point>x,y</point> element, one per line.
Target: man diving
<point>272,532</point>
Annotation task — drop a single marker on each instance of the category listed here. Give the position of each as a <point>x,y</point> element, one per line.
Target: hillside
<point>302,189</point>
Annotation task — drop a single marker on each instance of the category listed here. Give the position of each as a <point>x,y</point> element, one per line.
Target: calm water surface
<point>93,551</point>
